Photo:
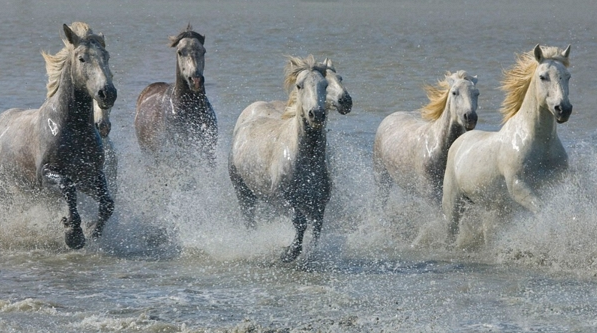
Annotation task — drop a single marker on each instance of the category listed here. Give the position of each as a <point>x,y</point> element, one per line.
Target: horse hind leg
<point>73,236</point>
<point>300,225</point>
<point>246,198</point>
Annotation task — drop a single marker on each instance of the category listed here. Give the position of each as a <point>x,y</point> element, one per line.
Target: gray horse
<point>178,118</point>
<point>57,146</point>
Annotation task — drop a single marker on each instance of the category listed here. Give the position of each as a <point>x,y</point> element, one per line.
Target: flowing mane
<point>55,63</point>
<point>188,33</point>
<point>292,70</point>
<point>438,96</point>
<point>518,78</point>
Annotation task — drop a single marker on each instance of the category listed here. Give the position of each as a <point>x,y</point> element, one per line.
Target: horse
<point>411,151</point>
<point>56,149</point>
<point>101,118</point>
<point>282,157</point>
<point>178,117</point>
<point>506,168</point>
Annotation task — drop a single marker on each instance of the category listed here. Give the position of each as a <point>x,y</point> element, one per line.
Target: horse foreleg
<point>106,204</point>
<point>383,183</point>
<point>246,198</point>
<point>73,236</point>
<point>453,206</point>
<point>300,225</point>
<point>522,193</point>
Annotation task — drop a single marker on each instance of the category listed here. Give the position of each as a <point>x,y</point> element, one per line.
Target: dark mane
<point>188,33</point>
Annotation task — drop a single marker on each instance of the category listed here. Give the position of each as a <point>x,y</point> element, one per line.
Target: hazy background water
<point>180,260</point>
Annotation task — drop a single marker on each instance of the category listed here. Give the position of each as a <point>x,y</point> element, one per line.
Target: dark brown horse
<point>177,118</point>
<point>56,148</point>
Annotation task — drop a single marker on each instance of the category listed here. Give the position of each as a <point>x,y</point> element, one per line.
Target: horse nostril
<point>311,115</point>
<point>101,94</point>
<point>558,108</point>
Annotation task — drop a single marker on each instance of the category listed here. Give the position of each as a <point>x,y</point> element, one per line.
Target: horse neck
<point>446,130</point>
<point>311,143</point>
<point>536,119</point>
<point>70,106</point>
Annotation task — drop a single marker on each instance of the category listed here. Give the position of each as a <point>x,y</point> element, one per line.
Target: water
<point>179,260</point>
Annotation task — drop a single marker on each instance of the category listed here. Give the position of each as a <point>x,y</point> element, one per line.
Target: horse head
<point>462,99</point>
<point>309,90</point>
<point>337,95</point>
<point>89,62</point>
<point>101,118</point>
<point>190,58</point>
<point>551,77</point>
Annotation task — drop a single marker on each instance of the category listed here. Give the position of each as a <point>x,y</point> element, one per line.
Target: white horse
<point>104,126</point>
<point>281,157</point>
<point>495,168</point>
<point>412,151</point>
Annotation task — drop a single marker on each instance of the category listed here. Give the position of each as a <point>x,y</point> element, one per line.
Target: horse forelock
<point>438,95</point>
<point>55,63</point>
<point>188,33</point>
<point>518,78</point>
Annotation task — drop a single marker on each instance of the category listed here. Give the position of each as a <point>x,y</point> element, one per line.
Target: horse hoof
<point>97,231</point>
<point>291,253</point>
<point>74,238</point>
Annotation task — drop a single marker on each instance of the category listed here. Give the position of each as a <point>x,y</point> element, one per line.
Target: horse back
<point>149,116</point>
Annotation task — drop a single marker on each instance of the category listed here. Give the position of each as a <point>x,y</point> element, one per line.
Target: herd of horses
<point>278,149</point>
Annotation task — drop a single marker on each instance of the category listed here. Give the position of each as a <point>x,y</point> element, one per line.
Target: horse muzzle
<point>563,112</point>
<point>470,120</point>
<point>104,128</point>
<point>344,105</point>
<point>106,96</point>
<point>196,83</point>
<point>317,117</point>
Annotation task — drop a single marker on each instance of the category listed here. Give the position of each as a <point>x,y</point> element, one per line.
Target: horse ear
<point>102,39</point>
<point>566,52</point>
<point>201,39</point>
<point>328,62</point>
<point>538,53</point>
<point>474,79</point>
<point>450,80</point>
<point>189,27</point>
<point>70,35</point>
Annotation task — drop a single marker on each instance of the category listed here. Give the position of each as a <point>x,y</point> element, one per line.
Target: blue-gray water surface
<point>180,259</point>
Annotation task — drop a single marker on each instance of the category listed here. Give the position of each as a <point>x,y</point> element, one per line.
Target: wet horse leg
<point>317,225</point>
<point>300,225</point>
<point>246,198</point>
<point>100,192</point>
<point>73,236</point>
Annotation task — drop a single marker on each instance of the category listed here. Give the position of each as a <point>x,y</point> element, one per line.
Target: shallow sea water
<point>175,257</point>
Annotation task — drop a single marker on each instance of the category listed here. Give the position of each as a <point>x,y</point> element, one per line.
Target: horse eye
<point>298,86</point>
<point>454,93</point>
<point>81,59</point>
<point>543,77</point>
<point>180,53</point>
